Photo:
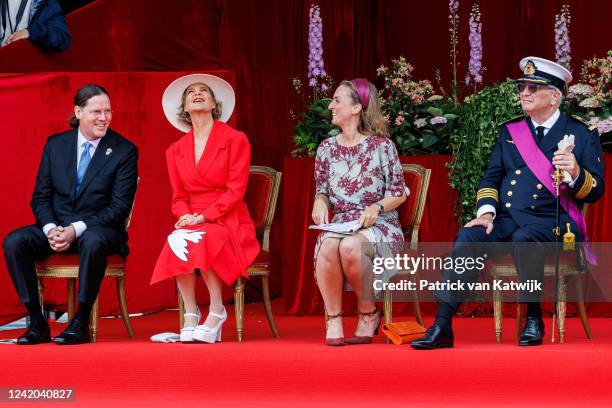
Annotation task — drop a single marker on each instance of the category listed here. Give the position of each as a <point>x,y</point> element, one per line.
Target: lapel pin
<point>109,151</point>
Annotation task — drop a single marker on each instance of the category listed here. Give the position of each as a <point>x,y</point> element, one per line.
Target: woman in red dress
<point>209,170</point>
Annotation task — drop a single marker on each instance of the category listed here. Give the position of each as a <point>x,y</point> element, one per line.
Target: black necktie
<point>539,134</point>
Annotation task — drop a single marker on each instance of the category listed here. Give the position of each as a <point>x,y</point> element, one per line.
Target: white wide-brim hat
<point>171,100</point>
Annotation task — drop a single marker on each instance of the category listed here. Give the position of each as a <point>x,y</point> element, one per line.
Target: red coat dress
<point>226,242</point>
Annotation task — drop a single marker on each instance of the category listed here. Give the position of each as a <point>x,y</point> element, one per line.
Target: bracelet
<point>380,206</point>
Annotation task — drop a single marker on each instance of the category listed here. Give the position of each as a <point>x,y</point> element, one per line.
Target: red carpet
<point>299,370</point>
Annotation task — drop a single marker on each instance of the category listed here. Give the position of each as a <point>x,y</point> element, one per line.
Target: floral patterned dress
<point>356,177</point>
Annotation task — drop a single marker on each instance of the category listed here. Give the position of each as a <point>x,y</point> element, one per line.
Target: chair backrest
<point>261,197</point>
<point>411,211</point>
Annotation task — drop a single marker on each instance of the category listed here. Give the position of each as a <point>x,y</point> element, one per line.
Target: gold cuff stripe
<point>487,193</point>
<point>493,196</point>
<point>587,185</point>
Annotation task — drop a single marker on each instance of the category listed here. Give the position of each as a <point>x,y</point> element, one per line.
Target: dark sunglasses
<point>530,86</point>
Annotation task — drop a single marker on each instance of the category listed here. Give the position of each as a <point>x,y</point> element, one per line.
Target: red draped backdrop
<point>265,45</point>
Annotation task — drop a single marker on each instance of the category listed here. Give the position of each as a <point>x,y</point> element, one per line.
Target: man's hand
<point>485,220</point>
<point>18,35</point>
<point>566,161</point>
<point>61,238</point>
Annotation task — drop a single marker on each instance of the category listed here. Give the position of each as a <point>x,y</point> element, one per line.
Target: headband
<point>362,86</point>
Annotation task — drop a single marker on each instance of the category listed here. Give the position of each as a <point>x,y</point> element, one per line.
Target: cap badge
<point>530,68</point>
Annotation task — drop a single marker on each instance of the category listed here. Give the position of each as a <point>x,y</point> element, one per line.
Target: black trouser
<point>27,244</point>
<point>528,246</point>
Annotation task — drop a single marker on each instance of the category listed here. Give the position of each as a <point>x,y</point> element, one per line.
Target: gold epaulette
<point>590,126</point>
<point>588,184</point>
<point>487,193</point>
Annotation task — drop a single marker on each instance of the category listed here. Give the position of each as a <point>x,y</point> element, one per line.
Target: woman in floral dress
<point>358,177</point>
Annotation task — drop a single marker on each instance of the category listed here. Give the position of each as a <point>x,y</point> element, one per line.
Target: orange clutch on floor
<point>403,332</point>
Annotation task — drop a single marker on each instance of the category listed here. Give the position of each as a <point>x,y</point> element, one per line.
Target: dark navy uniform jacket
<point>514,191</point>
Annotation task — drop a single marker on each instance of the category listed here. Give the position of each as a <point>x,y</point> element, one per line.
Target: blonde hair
<point>184,116</point>
<point>371,119</point>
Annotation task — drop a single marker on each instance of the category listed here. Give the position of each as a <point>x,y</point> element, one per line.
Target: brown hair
<point>84,94</point>
<point>372,119</point>
<point>184,116</point>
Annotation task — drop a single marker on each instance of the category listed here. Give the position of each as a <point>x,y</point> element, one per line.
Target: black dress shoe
<point>533,332</point>
<point>435,337</point>
<point>75,333</point>
<point>37,332</point>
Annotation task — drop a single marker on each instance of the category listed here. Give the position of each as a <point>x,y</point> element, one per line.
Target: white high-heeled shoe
<point>210,334</point>
<point>187,331</point>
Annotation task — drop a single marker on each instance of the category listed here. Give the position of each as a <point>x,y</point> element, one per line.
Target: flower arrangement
<point>316,67</point>
<point>591,98</point>
<point>419,120</point>
<point>453,19</point>
<point>475,68</point>
<point>314,124</point>
<point>562,40</point>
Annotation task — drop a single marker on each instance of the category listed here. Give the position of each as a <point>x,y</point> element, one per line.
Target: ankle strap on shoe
<point>331,317</point>
<point>372,313</point>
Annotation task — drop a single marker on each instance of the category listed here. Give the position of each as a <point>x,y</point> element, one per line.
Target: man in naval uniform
<point>516,200</point>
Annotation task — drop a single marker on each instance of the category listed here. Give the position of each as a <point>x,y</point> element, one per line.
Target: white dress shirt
<point>79,226</point>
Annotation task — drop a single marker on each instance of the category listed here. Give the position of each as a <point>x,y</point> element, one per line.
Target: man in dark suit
<point>516,200</point>
<point>84,191</point>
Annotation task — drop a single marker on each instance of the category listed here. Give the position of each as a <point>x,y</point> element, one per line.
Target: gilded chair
<point>261,198</point>
<point>571,264</point>
<point>410,216</point>
<point>66,265</point>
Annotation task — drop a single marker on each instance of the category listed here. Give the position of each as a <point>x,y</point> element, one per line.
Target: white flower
<point>589,103</point>
<point>581,89</point>
<point>438,120</point>
<point>434,98</point>
<point>419,123</point>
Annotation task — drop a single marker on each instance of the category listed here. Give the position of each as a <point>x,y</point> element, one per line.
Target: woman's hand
<point>189,219</point>
<point>320,211</point>
<point>369,216</point>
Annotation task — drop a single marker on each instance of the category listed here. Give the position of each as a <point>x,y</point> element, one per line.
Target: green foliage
<point>473,138</point>
<point>314,126</point>
<point>420,122</point>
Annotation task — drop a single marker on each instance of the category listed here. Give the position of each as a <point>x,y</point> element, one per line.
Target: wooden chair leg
<point>268,305</point>
<point>94,321</point>
<point>561,307</point>
<point>417,308</point>
<point>123,305</point>
<point>581,307</point>
<point>41,291</point>
<point>497,314</point>
<point>181,306</point>
<point>388,305</point>
<point>239,307</point>
<point>70,295</point>
<point>519,320</point>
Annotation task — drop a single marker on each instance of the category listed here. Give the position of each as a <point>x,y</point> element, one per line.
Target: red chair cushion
<point>263,259</point>
<point>56,260</point>
<point>407,211</point>
<point>257,197</point>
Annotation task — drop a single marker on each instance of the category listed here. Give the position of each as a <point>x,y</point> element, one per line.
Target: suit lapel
<point>216,142</point>
<point>99,160</point>
<point>70,152</point>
